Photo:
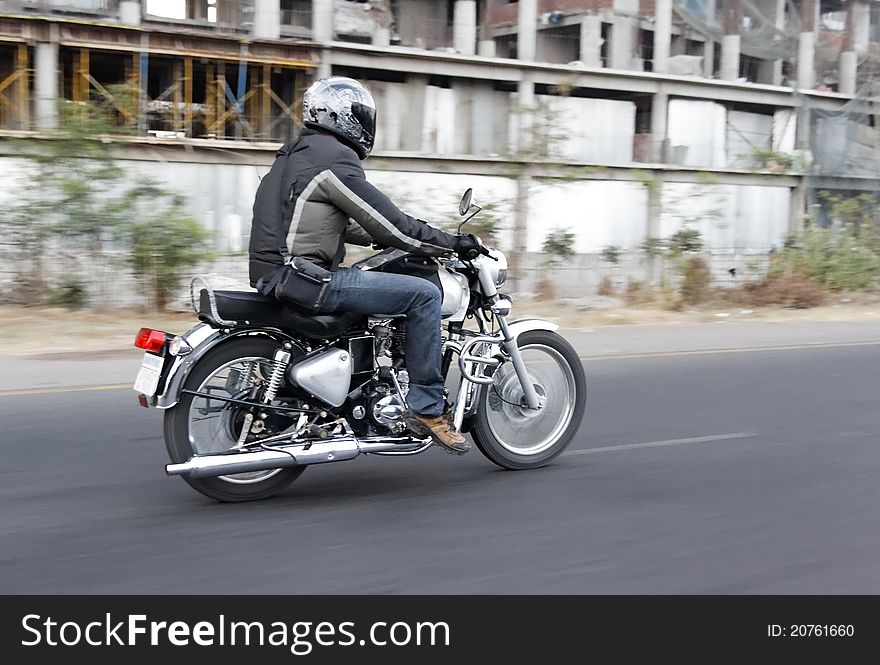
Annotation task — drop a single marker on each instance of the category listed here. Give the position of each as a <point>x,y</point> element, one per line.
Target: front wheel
<point>509,433</point>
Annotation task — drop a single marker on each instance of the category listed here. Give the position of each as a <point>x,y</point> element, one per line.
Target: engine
<point>379,409</point>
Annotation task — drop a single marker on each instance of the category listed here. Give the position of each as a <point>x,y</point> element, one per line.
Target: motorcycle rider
<point>316,198</point>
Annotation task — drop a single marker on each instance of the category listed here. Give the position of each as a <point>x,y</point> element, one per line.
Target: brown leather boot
<point>440,429</point>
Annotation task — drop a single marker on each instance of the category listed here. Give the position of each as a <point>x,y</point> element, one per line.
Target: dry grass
<point>662,310</point>
<point>26,331</point>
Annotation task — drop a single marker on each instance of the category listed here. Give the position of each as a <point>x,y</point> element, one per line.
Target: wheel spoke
<point>216,429</point>
<point>525,431</point>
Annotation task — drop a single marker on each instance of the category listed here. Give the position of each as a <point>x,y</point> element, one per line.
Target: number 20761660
<point>810,630</point>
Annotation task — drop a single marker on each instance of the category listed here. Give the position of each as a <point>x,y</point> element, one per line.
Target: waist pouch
<point>300,283</point>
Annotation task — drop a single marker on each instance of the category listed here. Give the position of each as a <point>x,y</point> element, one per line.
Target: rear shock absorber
<point>280,361</point>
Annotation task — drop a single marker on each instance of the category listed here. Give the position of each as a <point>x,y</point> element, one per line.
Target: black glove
<point>469,247</point>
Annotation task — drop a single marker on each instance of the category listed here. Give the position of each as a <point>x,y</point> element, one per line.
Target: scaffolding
<point>156,81</point>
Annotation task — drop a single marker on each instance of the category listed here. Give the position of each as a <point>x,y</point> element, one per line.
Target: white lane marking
<point>661,444</point>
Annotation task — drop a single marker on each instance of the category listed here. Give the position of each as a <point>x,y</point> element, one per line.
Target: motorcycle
<point>255,392</point>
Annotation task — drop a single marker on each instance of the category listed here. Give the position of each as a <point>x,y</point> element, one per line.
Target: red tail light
<point>150,340</point>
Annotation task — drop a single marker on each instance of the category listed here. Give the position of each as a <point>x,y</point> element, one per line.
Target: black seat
<point>252,308</point>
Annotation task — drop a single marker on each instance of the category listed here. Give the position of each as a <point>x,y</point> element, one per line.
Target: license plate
<point>148,377</point>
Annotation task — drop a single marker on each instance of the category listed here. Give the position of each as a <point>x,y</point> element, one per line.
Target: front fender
<point>202,338</point>
<point>520,326</point>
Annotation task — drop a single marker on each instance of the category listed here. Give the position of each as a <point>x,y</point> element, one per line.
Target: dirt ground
<point>25,331</point>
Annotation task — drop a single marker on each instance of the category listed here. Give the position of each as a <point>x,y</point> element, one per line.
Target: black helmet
<point>343,107</point>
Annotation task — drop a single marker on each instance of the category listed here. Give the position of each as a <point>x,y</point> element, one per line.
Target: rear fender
<point>203,338</point>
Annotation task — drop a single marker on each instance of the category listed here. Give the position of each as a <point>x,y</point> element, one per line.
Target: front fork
<point>473,356</point>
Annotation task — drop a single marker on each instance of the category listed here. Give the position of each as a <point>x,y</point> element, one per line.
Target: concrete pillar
<point>662,35</point>
<point>267,19</point>
<point>520,231</point>
<point>797,207</point>
<point>659,111</point>
<point>730,51</point>
<point>860,11</point>
<point>464,115</point>
<point>527,34</point>
<point>525,113</point>
<point>323,31</point>
<point>482,118</point>
<point>486,48</point>
<point>464,27</point>
<point>849,61</point>
<point>806,66</point>
<point>806,74</point>
<point>197,10</point>
<point>322,20</point>
<point>771,70</point>
<point>730,43</point>
<point>381,36</point>
<point>411,135</point>
<point>776,77</point>
<point>485,40</point>
<point>709,48</point>
<point>46,84</point>
<point>623,41</point>
<point>130,12</point>
<point>653,219</point>
<point>591,41</point>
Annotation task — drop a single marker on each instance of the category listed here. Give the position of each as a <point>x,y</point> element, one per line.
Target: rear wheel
<point>237,369</point>
<point>514,436</point>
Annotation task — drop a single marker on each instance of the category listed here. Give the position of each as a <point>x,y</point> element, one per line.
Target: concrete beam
<point>204,151</point>
<point>496,69</point>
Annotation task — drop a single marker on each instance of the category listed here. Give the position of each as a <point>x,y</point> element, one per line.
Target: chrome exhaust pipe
<point>202,466</point>
<point>387,445</point>
<point>319,452</point>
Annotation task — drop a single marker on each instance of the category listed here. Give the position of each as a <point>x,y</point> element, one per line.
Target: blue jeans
<point>360,292</point>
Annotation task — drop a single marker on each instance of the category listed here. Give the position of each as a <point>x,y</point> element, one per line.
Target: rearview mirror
<point>465,203</point>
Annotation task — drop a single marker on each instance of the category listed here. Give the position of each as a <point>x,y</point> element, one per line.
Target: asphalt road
<point>729,473</point>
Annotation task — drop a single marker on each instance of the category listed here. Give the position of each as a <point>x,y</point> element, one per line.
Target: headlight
<point>499,267</point>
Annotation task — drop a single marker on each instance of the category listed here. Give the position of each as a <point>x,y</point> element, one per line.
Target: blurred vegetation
<point>74,205</point>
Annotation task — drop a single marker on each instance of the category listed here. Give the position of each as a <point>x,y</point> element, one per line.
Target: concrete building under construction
<point>563,109</point>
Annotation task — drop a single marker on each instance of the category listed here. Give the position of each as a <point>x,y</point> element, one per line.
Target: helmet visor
<point>366,117</point>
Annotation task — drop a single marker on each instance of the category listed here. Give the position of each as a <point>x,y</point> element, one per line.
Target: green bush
<point>71,192</point>
<point>696,281</point>
<point>833,258</point>
<point>71,293</point>
<point>559,244</point>
<point>162,247</point>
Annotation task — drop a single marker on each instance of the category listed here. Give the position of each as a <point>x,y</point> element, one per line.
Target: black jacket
<point>316,197</point>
